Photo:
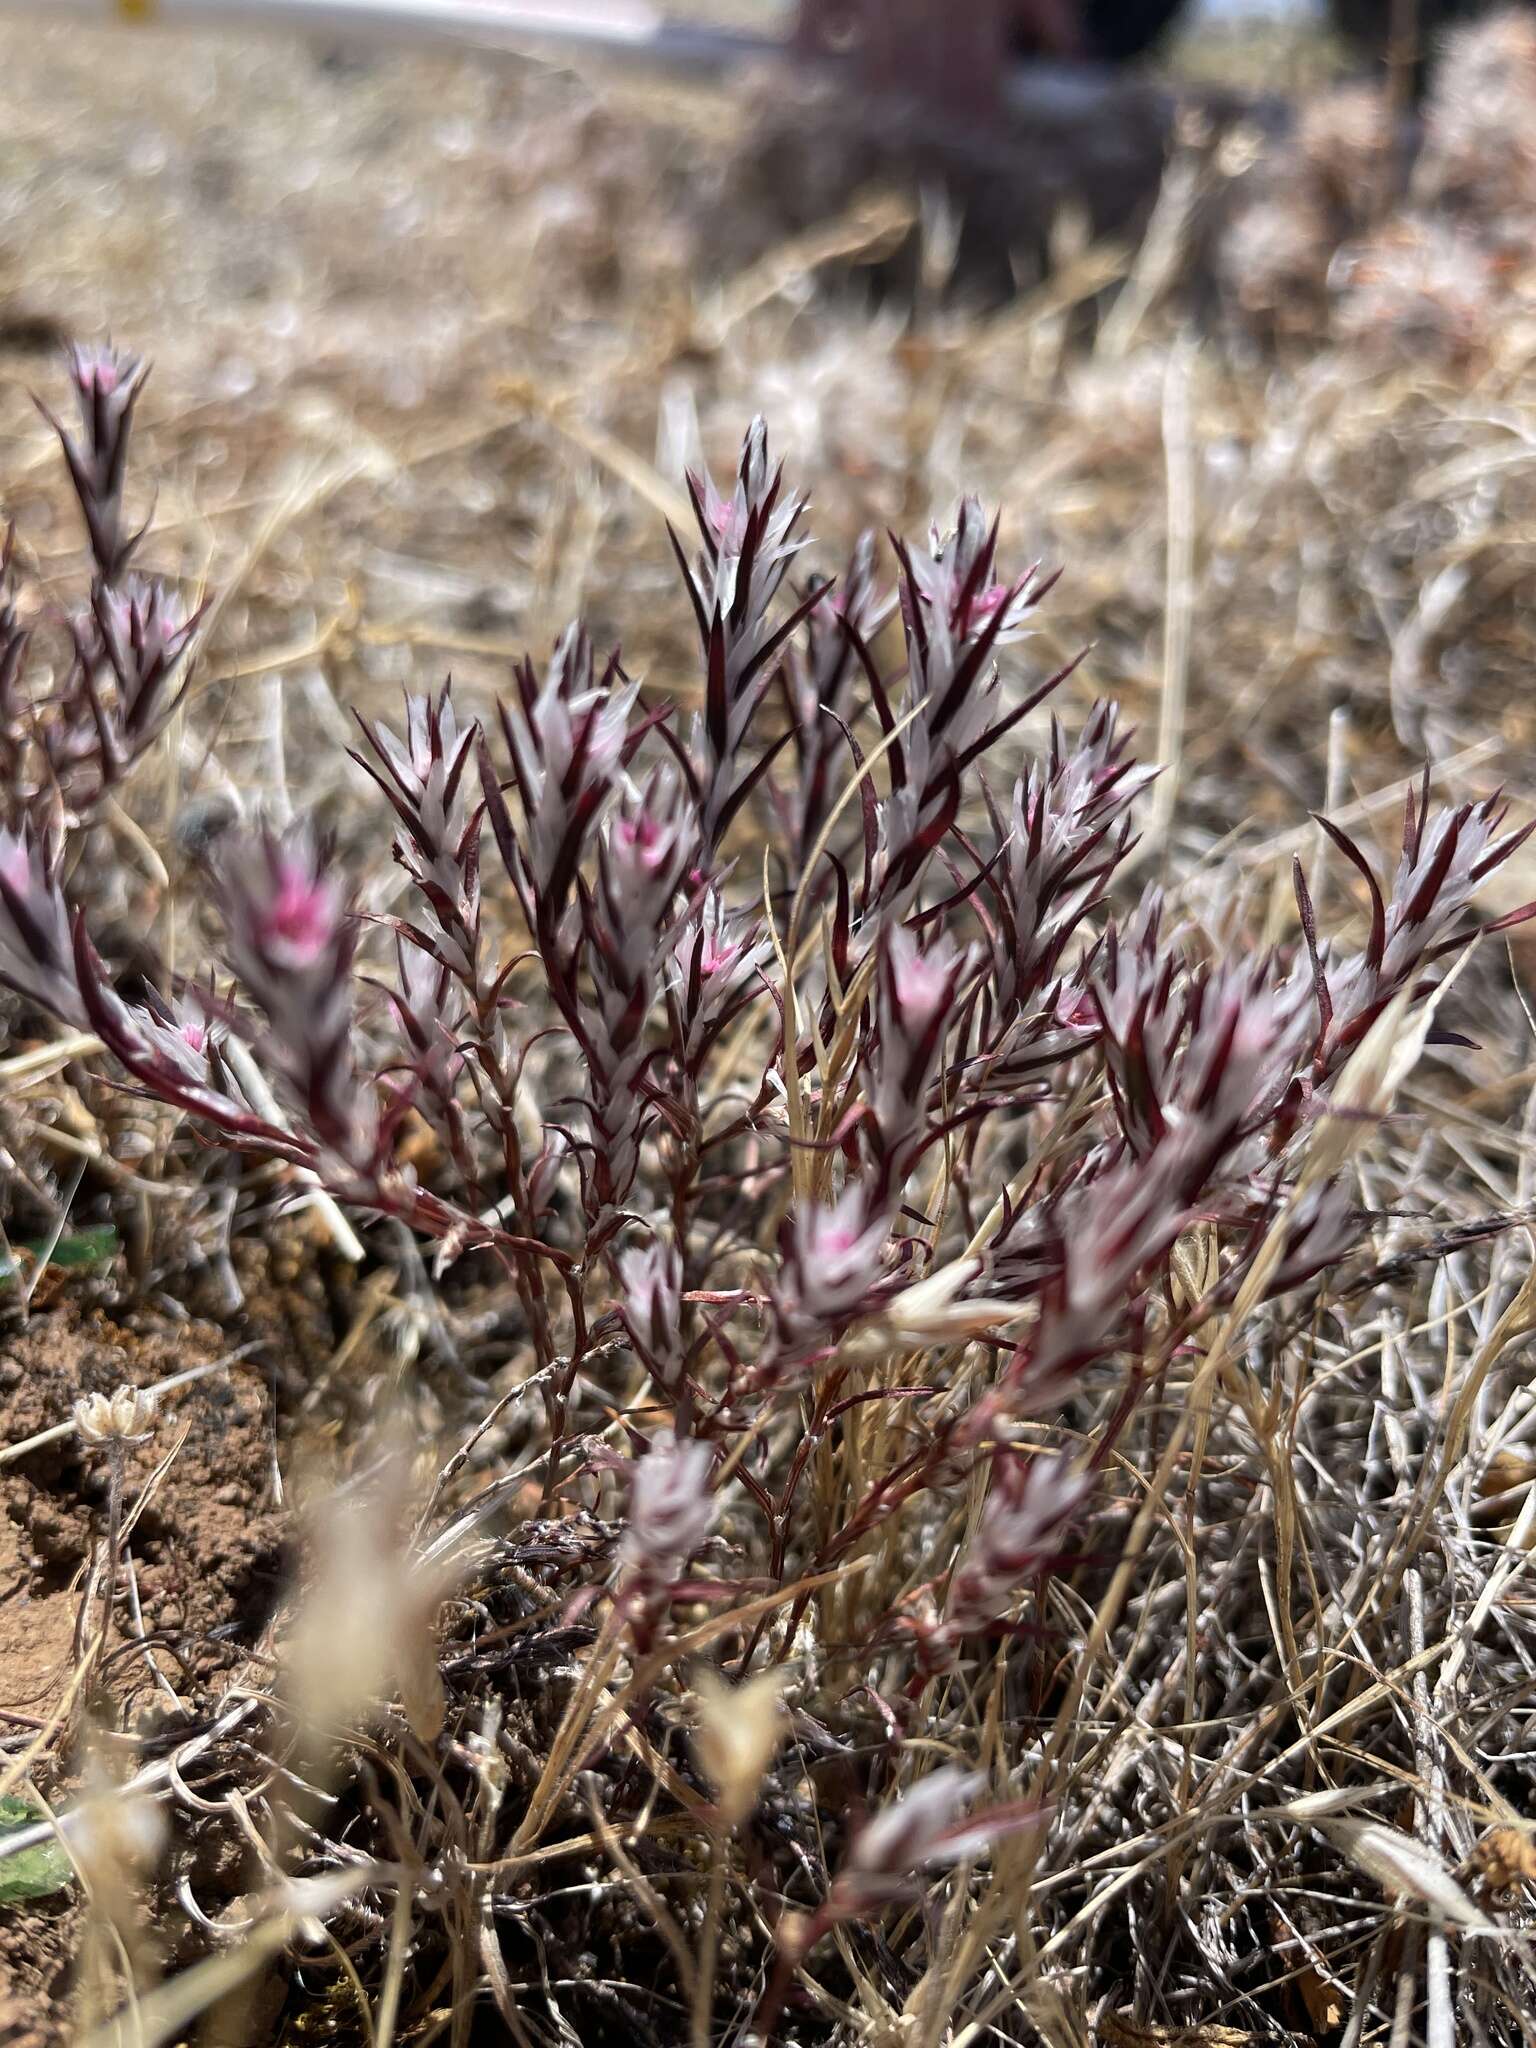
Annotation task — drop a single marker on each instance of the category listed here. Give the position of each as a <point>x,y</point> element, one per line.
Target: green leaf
<point>33,1873</point>
<point>95,1246</point>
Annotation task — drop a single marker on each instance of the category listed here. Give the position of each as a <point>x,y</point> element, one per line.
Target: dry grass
<point>431,341</point>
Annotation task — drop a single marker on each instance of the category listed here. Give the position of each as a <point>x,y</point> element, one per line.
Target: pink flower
<point>290,943</point>
<point>915,994</point>
<point>651,1278</point>
<point>671,1510</point>
<point>840,1249</point>
<point>1029,1503</point>
<point>107,385</point>
<point>726,518</point>
<point>15,864</point>
<point>991,600</point>
<point>642,859</point>
<point>99,369</point>
<point>644,841</point>
<point>921,985</point>
<point>716,957</point>
<point>301,921</point>
<point>36,955</point>
<point>834,1270</point>
<point>919,1831</point>
<point>1075,1008</point>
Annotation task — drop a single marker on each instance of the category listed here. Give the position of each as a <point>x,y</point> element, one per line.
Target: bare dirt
<point>205,1545</point>
<point>36,1949</point>
<point>205,1553</point>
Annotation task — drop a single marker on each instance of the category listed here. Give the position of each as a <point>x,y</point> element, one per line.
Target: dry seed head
<point>1480,123</point>
<point>1506,1857</point>
<point>116,1836</point>
<point>126,1416</point>
<point>1368,1085</point>
<point>1506,1470</point>
<point>363,1627</point>
<point>1344,143</point>
<point>115,1839</point>
<point>939,1309</point>
<point>1407,1869</point>
<point>1273,260</point>
<point>739,1728</point>
<point>1419,283</point>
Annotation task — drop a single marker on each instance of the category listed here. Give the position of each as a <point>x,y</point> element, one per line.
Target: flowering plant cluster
<point>798,1052</point>
<point>65,747</point>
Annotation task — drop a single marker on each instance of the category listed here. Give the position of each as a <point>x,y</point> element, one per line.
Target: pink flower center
<point>729,522</point>
<point>300,919</point>
<point>921,985</point>
<point>646,841</point>
<point>987,603</point>
<point>1077,1011</point>
<point>16,869</point>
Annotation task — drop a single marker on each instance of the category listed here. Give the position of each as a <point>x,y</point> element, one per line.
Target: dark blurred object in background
<point>1372,25</point>
<point>1105,31</point>
<point>913,38</point>
<point>946,46</point>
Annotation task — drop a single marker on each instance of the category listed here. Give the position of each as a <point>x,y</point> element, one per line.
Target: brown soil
<point>205,1543</point>
<point>205,1548</point>
<point>36,1948</point>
